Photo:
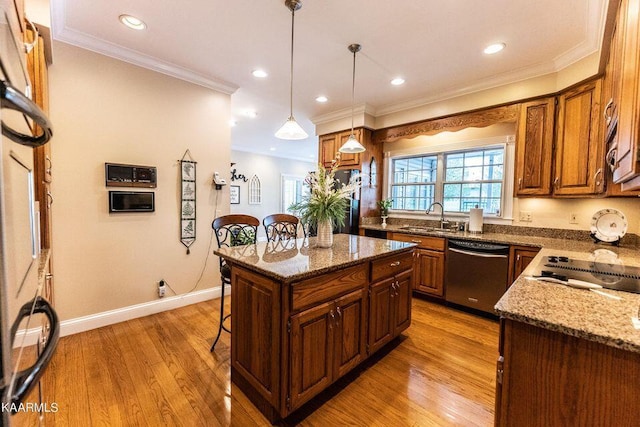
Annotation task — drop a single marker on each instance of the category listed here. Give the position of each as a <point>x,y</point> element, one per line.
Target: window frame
<point>507,142</point>
<point>285,177</point>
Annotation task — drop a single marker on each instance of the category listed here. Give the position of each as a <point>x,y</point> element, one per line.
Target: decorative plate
<point>608,225</point>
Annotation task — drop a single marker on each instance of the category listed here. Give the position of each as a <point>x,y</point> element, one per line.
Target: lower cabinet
<point>389,309</point>
<point>428,264</point>
<point>519,258</point>
<point>327,341</point>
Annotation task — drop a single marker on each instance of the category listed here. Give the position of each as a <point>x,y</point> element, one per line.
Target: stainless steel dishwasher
<point>476,273</point>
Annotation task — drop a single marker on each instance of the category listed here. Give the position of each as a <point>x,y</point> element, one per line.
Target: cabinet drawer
<point>424,242</point>
<point>391,266</point>
<point>328,286</point>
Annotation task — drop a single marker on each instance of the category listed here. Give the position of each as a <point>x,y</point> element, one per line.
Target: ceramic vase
<point>325,234</point>
<point>384,221</point>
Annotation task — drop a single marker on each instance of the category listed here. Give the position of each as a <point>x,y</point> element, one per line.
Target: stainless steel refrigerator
<point>21,304</point>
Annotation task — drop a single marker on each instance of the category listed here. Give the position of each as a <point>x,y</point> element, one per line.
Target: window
<point>414,180</point>
<point>292,191</point>
<point>459,180</point>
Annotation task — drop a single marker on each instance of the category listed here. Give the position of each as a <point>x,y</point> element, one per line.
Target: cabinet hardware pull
<point>555,181</point>
<point>394,264</point>
<point>48,276</point>
<point>50,197</point>
<point>48,169</point>
<point>333,318</point>
<point>518,257</point>
<point>610,158</point>
<point>339,316</point>
<point>520,183</point>
<point>607,107</point>
<point>416,241</point>
<point>598,172</point>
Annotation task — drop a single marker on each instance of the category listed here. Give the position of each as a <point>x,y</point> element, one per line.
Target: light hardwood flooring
<point>157,371</point>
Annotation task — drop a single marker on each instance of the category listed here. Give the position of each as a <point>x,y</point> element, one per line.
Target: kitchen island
<point>569,356</point>
<point>304,316</point>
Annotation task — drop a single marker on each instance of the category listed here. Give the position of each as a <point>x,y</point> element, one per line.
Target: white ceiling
<point>435,45</point>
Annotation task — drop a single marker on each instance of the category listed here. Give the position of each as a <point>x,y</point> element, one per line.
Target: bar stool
<point>281,227</point>
<point>231,230</point>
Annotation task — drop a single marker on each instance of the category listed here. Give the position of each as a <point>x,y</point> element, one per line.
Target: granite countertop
<point>576,312</point>
<point>294,260</point>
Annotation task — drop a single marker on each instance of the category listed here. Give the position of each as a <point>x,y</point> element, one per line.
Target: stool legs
<point>222,319</point>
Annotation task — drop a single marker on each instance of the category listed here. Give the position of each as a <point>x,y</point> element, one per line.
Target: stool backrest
<point>281,227</point>
<point>235,230</point>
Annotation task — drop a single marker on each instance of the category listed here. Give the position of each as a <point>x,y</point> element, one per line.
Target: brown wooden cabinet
<point>579,156</point>
<point>534,148</point>
<point>327,341</point>
<point>428,264</point>
<point>519,258</point>
<point>331,143</point>
<point>546,378</point>
<point>626,163</point>
<point>389,309</point>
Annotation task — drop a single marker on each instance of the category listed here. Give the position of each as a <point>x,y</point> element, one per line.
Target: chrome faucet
<point>442,221</point>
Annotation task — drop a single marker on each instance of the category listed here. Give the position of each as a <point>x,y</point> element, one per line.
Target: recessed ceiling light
<point>272,149</point>
<point>494,48</point>
<point>397,81</point>
<point>322,98</point>
<point>251,113</point>
<point>261,74</point>
<point>233,123</point>
<point>132,22</point>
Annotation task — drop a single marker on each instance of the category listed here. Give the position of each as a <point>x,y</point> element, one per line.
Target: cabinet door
<point>579,148</point>
<point>350,160</point>
<point>429,272</point>
<point>627,165</point>
<point>534,148</point>
<point>328,149</point>
<point>381,301</point>
<point>311,352</point>
<point>402,308</point>
<point>350,332</point>
<point>520,258</point>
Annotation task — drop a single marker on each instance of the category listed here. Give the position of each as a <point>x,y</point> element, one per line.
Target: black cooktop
<point>608,275</point>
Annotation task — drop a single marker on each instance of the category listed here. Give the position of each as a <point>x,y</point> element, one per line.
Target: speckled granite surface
<point>577,312</point>
<point>301,259</point>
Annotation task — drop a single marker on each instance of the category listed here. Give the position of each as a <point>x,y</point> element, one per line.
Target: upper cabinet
<point>622,155</point>
<point>534,148</point>
<point>579,153</point>
<point>331,143</point>
<point>559,148</point>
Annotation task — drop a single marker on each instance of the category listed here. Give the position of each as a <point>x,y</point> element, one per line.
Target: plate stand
<point>596,240</point>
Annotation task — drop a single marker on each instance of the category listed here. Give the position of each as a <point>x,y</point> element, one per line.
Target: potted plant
<point>325,203</point>
<point>384,205</point>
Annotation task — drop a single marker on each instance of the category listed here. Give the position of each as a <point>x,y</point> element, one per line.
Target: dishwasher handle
<point>478,254</point>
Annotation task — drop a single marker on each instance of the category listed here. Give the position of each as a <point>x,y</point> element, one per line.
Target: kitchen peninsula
<point>304,316</point>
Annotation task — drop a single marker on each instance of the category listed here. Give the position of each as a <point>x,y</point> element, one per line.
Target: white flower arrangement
<point>326,200</point>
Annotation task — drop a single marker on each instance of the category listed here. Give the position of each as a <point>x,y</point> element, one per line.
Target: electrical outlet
<point>525,216</point>
<point>161,288</point>
<point>573,218</point>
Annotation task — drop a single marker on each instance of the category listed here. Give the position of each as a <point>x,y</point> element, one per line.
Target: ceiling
<point>435,45</point>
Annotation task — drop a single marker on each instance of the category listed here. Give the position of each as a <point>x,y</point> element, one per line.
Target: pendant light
<point>352,145</point>
<point>291,129</point>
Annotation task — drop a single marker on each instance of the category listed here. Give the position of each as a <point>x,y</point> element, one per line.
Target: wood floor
<point>157,370</point>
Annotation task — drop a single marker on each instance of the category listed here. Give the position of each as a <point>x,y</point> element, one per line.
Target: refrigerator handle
<point>13,99</point>
<point>28,378</point>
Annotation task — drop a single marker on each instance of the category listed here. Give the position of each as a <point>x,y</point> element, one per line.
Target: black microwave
<point>120,175</point>
<point>131,201</point>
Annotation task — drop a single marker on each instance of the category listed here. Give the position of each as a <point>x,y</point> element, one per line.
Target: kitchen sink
<point>418,229</point>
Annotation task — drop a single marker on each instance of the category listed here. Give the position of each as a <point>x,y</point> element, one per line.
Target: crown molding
<point>344,113</point>
<point>77,38</point>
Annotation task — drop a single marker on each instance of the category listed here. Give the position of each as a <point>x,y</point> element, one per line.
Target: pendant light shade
<point>291,129</point>
<point>352,145</point>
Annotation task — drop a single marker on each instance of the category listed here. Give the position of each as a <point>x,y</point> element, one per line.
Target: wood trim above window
<point>480,118</point>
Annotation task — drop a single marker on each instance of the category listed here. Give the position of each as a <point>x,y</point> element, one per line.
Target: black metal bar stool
<point>281,227</point>
<point>231,230</point>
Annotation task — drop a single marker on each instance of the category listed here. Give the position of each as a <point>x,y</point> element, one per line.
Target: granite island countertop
<point>289,261</point>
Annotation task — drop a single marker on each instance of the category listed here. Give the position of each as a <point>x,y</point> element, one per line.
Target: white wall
<point>269,169</point>
<point>105,110</point>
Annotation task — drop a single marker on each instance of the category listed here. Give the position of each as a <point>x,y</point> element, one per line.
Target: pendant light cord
<point>353,88</point>
<point>293,17</point>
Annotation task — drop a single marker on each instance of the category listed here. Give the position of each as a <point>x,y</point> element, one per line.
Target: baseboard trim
<point>106,318</point>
